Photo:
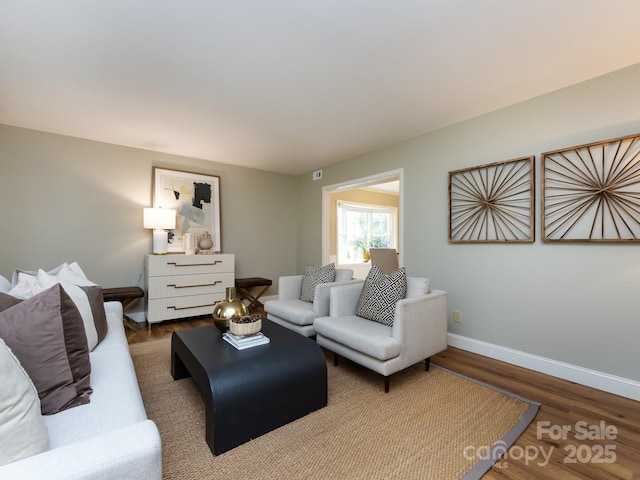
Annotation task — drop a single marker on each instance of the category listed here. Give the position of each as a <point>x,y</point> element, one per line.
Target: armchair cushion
<point>380,293</point>
<point>294,311</point>
<point>290,311</point>
<point>314,276</point>
<point>371,338</point>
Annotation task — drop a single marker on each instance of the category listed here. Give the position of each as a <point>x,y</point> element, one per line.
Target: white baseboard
<point>584,376</point>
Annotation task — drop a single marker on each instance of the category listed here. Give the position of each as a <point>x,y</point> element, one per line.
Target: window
<point>361,227</point>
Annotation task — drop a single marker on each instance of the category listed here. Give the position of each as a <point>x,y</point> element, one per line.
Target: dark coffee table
<point>248,393</point>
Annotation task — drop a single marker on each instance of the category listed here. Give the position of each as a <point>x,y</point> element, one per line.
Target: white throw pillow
<point>74,275</point>
<point>81,290</point>
<point>22,430</point>
<point>418,286</point>
<point>5,285</point>
<point>23,285</point>
<point>76,268</point>
<point>78,296</point>
<point>33,273</point>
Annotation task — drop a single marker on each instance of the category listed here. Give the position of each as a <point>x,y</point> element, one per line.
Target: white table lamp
<point>161,220</point>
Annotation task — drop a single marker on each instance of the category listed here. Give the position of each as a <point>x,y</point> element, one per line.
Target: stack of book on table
<point>247,341</point>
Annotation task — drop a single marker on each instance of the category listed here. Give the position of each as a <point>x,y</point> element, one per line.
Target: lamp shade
<point>159,218</point>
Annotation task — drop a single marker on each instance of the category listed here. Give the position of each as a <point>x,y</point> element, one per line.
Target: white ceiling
<point>292,85</point>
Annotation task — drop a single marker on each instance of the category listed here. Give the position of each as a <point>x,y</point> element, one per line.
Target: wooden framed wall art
<point>591,192</point>
<point>196,199</point>
<point>493,203</point>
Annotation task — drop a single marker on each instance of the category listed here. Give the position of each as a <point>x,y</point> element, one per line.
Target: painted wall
<point>575,303</point>
<point>67,199</point>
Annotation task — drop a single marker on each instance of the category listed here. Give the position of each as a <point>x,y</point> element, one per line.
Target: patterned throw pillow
<point>380,293</point>
<point>315,276</point>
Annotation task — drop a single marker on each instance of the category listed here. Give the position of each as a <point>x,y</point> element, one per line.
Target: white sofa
<point>108,438</point>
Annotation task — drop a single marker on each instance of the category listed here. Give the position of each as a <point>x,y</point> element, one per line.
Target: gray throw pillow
<point>96,301</point>
<point>8,301</point>
<point>46,333</point>
<point>315,276</point>
<point>380,293</point>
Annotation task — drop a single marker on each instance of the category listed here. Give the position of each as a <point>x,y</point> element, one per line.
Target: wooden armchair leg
<point>427,361</point>
<point>386,384</point>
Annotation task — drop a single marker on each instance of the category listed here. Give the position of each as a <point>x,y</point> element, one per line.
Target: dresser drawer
<point>162,309</point>
<point>159,265</point>
<point>184,285</point>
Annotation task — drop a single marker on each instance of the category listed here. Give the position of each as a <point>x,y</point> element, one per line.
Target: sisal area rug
<point>431,425</point>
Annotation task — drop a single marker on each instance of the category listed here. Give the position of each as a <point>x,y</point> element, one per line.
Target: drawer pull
<point>173,307</point>
<point>198,285</point>
<point>176,264</point>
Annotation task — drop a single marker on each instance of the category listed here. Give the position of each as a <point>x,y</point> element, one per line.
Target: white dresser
<point>180,286</point>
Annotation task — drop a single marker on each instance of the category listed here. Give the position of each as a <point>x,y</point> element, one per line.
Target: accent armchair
<point>296,314</point>
<point>419,329</point>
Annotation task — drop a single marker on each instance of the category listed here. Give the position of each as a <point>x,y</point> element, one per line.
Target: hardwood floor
<point>578,433</point>
<point>601,437</point>
<point>137,334</point>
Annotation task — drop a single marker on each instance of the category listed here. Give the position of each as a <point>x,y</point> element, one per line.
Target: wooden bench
<point>124,295</point>
<point>244,286</point>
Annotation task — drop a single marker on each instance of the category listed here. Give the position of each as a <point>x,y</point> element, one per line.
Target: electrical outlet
<point>317,175</point>
<point>457,316</point>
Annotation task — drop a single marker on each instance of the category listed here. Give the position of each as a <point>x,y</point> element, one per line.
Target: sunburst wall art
<point>493,203</point>
<point>591,193</point>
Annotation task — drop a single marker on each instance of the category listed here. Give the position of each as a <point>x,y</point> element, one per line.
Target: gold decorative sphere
<point>228,309</point>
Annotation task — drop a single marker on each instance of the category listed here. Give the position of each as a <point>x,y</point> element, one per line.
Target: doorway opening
<point>375,193</point>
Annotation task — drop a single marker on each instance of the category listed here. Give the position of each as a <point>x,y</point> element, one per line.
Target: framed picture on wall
<point>493,203</point>
<point>591,192</point>
<point>196,199</point>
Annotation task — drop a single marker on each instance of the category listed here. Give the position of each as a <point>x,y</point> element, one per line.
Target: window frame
<point>370,209</point>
